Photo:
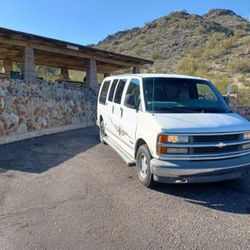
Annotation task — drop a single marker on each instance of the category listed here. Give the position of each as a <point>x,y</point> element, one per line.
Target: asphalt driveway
<point>67,191</point>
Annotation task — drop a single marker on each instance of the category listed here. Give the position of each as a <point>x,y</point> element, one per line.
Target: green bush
<point>218,45</point>
<point>244,96</point>
<point>191,66</point>
<point>155,55</point>
<point>240,65</point>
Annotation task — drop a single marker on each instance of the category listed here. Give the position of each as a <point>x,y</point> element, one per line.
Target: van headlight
<point>173,139</point>
<point>247,136</point>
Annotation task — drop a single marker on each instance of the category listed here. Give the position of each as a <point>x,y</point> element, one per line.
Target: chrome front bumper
<point>200,171</point>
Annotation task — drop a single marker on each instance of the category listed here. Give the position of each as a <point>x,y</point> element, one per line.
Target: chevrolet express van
<point>176,129</point>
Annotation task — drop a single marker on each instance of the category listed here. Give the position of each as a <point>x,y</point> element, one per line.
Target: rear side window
<point>104,91</point>
<point>119,90</point>
<point>132,98</point>
<point>112,90</point>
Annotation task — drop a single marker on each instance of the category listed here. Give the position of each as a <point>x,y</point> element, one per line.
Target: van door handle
<point>112,109</point>
<point>121,109</point>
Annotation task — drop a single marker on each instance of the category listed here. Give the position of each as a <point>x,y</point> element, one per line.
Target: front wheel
<point>143,158</point>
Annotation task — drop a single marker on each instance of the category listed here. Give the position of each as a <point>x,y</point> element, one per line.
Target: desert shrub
<point>218,45</point>
<point>245,82</point>
<point>221,81</point>
<point>160,23</point>
<point>239,33</point>
<point>48,73</point>
<point>244,96</point>
<point>76,75</point>
<point>240,65</point>
<point>199,29</point>
<point>191,66</point>
<point>137,52</point>
<point>155,55</point>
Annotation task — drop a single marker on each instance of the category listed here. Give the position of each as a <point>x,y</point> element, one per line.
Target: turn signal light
<point>162,138</point>
<point>162,150</point>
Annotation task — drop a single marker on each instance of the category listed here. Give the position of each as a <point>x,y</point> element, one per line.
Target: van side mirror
<point>130,102</point>
<point>229,89</point>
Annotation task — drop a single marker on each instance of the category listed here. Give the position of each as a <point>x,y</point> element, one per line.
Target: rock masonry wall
<point>34,107</point>
<point>242,110</point>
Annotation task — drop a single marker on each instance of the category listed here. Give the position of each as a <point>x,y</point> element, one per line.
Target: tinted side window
<point>112,90</point>
<point>119,90</point>
<point>132,97</point>
<point>104,91</point>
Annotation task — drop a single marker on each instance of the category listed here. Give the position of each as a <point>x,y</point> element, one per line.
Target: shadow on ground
<point>42,153</point>
<point>229,196</point>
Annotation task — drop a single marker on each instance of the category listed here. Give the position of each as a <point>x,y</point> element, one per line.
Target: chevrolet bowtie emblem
<point>221,145</point>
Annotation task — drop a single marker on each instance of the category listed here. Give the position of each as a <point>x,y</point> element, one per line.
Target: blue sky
<point>86,22</point>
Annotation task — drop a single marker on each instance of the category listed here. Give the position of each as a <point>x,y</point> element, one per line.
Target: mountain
<point>215,45</point>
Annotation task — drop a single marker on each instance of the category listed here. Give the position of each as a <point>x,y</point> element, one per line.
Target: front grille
<point>215,150</point>
<point>216,138</point>
<point>209,147</point>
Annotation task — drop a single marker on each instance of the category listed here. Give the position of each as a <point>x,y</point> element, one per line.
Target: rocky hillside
<point>215,45</point>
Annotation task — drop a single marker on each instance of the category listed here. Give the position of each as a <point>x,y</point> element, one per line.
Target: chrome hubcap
<point>143,166</point>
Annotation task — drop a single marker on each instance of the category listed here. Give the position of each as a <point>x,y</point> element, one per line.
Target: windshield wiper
<point>179,109</point>
<point>192,110</point>
<point>211,110</point>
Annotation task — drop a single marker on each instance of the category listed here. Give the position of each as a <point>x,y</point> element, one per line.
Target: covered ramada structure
<point>31,50</point>
<point>30,105</point>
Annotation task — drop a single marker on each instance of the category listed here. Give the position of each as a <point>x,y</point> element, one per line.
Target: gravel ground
<point>67,191</point>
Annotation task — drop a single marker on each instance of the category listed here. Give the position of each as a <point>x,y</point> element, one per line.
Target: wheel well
<point>138,144</point>
<point>100,119</point>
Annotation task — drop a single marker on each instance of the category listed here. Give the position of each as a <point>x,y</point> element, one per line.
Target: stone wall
<point>242,110</point>
<point>29,109</point>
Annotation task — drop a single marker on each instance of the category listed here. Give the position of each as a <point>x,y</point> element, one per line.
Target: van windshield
<point>180,95</point>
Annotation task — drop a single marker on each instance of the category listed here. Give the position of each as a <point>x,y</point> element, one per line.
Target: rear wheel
<point>143,158</point>
<point>102,133</point>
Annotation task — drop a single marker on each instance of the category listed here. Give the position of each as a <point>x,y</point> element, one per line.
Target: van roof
<point>158,75</point>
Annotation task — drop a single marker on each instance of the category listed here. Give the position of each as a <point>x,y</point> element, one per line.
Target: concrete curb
<point>28,135</point>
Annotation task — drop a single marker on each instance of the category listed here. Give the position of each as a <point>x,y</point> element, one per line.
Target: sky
<point>88,22</point>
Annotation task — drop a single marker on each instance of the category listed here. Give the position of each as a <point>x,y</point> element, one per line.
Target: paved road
<point>67,191</point>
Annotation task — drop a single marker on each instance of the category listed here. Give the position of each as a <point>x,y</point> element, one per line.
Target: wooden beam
<point>101,67</point>
<point>65,51</point>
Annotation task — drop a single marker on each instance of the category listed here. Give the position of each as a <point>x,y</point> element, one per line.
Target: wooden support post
<point>65,73</point>
<point>106,74</point>
<point>91,75</point>
<point>7,65</point>
<point>28,71</point>
<point>135,70</point>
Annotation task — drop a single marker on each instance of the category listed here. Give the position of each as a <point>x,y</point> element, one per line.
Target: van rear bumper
<point>200,171</point>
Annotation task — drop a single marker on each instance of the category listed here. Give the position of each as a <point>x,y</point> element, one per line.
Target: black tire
<point>143,158</point>
<point>102,132</point>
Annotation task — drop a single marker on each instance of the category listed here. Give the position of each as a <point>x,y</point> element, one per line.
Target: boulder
<point>2,129</point>
<point>21,109</point>
<point>22,128</point>
<point>10,121</point>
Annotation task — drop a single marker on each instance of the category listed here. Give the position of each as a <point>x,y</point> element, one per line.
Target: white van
<point>176,129</point>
